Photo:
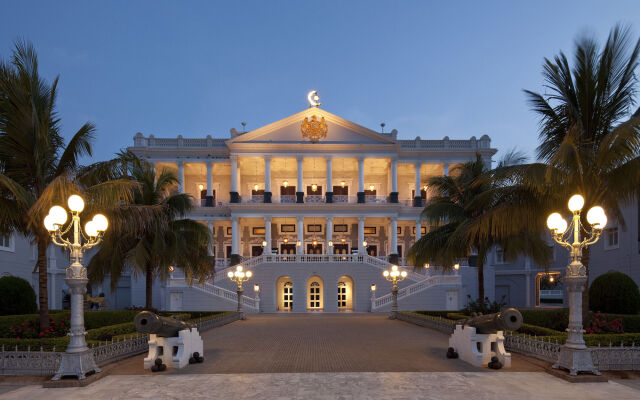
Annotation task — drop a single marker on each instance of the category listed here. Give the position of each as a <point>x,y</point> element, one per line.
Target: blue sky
<point>427,68</point>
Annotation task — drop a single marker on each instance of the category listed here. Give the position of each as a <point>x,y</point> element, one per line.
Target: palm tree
<point>166,240</point>
<point>589,142</point>
<point>37,169</point>
<point>475,209</point>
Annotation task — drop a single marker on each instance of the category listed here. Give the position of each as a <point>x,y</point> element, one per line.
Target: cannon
<point>148,322</point>
<point>507,320</point>
<point>172,343</point>
<point>479,340</point>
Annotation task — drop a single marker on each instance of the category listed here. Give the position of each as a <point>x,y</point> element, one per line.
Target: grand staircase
<point>421,282</point>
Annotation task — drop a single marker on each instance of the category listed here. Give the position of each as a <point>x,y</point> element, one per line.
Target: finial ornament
<point>313,98</point>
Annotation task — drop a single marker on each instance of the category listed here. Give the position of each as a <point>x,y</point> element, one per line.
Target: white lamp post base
<point>78,365</point>
<point>575,361</point>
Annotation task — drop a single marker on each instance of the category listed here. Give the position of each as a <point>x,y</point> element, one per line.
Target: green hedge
<point>98,319</point>
<point>7,320</point>
<point>556,319</point>
<point>442,314</point>
<point>536,330</point>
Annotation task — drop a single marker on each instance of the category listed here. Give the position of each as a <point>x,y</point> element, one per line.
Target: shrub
<point>556,319</point>
<point>631,323</point>
<point>16,296</point>
<point>600,323</point>
<point>535,330</point>
<point>483,306</point>
<point>58,326</point>
<point>108,332</point>
<point>98,319</point>
<point>614,292</point>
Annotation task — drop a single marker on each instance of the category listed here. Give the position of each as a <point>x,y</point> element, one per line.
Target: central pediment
<point>288,130</point>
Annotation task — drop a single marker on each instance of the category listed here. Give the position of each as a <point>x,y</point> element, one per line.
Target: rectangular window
<point>228,251</point>
<point>399,230</point>
<point>315,228</point>
<point>340,228</point>
<point>611,238</point>
<point>6,242</point>
<point>311,192</point>
<point>258,231</point>
<point>423,230</point>
<point>370,230</point>
<point>287,228</point>
<point>228,231</point>
<point>499,255</point>
<point>340,191</point>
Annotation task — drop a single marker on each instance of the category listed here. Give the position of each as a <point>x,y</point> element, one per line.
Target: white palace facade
<point>316,207</point>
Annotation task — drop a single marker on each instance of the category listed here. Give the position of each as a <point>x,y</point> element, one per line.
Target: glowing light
<point>256,187</point>
<point>90,229</point>
<point>48,223</point>
<point>385,273</point>
<point>75,203</point>
<point>426,266</point>
<point>556,223</point>
<point>330,243</point>
<point>313,98</point>
<point>285,183</point>
<point>364,243</point>
<point>456,267</point>
<point>551,278</point>
<point>100,222</point>
<point>171,268</point>
<point>343,183</point>
<point>230,274</point>
<point>315,242</point>
<point>58,215</point>
<point>256,288</point>
<point>394,267</point>
<point>343,240</point>
<point>239,268</point>
<point>264,243</point>
<point>298,243</point>
<point>576,202</point>
<point>425,187</point>
<point>249,274</point>
<point>373,287</point>
<point>597,217</point>
<point>286,240</point>
<point>314,187</point>
<point>372,187</point>
<point>403,274</point>
<point>201,187</point>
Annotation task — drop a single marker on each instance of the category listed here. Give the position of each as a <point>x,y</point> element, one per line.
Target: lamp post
<point>394,276</point>
<point>77,360</point>
<point>574,354</point>
<point>239,277</point>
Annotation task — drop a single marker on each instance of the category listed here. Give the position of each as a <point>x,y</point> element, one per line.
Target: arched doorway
<point>285,294</point>
<point>315,301</point>
<point>345,293</point>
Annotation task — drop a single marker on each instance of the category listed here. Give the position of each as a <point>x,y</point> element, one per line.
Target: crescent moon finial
<point>313,98</point>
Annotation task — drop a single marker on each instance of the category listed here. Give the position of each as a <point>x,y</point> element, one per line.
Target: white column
<point>299,188</point>
<point>418,178</point>
<point>213,242</point>
<point>267,173</point>
<point>329,234</point>
<point>235,236</point>
<point>394,236</point>
<point>267,235</point>
<point>300,231</point>
<point>394,175</point>
<point>209,178</point>
<point>361,249</point>
<point>445,169</point>
<point>234,174</point>
<point>360,177</point>
<point>180,176</point>
<point>418,229</point>
<point>329,174</point>
<point>527,271</point>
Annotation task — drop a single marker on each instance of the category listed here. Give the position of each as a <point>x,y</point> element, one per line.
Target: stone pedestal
<point>174,351</point>
<point>299,197</point>
<point>267,197</point>
<point>393,197</point>
<point>477,349</point>
<point>361,198</point>
<point>234,197</point>
<point>328,197</point>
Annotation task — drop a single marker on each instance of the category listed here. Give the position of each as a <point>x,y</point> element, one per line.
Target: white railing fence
<point>16,362</point>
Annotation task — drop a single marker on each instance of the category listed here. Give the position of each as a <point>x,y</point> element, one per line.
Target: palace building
<point>316,206</point>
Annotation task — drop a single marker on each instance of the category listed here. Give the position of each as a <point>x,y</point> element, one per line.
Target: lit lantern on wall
<point>285,183</point>
<point>256,187</point>
<point>343,183</point>
<point>201,187</point>
<point>314,187</point>
<point>372,187</point>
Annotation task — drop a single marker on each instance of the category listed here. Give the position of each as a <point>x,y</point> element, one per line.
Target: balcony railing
<point>376,199</point>
<point>314,199</point>
<point>285,199</point>
<point>203,203</point>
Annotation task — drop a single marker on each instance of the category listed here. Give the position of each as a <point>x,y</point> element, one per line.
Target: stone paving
<point>328,356</point>
<point>322,343</point>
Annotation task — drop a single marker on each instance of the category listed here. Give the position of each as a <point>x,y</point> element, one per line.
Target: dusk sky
<point>428,69</point>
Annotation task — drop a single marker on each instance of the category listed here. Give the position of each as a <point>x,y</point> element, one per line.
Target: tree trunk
<point>586,320</point>
<point>480,266</point>
<point>149,287</point>
<point>43,293</point>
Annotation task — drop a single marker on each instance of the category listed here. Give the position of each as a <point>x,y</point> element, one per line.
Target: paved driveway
<point>322,343</point>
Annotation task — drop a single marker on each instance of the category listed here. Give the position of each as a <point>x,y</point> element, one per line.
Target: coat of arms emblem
<point>314,129</point>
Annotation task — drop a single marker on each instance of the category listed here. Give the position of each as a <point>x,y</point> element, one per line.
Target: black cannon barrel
<point>148,322</point>
<point>507,320</point>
